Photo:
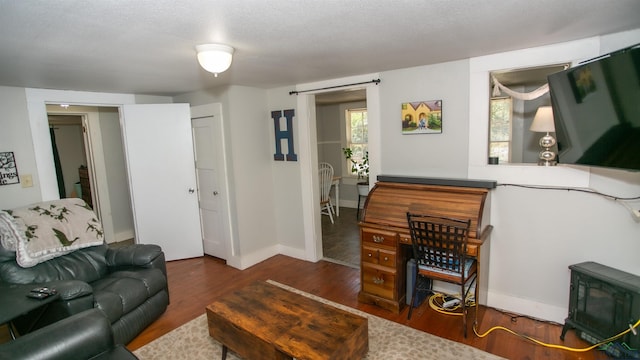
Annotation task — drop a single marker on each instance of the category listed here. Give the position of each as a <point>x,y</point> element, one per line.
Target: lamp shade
<point>215,58</point>
<point>543,121</point>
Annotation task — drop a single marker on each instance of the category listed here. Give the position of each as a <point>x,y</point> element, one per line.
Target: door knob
<point>191,190</point>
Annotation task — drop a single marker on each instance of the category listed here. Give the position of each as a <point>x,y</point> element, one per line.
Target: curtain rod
<point>375,81</point>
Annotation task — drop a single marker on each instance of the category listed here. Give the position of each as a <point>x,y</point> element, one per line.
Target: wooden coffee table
<point>264,321</point>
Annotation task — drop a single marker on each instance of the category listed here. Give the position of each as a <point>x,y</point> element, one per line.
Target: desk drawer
<point>377,255</point>
<point>405,238</point>
<point>379,237</point>
<point>378,282</point>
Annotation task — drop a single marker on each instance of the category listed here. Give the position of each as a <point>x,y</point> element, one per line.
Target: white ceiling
<point>148,46</point>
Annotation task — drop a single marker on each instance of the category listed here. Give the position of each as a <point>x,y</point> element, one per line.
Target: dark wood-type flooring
<point>194,283</point>
<point>341,240</point>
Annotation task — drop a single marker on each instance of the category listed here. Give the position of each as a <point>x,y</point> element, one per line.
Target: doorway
<point>211,175</point>
<point>92,164</point>
<point>69,154</point>
<point>340,239</point>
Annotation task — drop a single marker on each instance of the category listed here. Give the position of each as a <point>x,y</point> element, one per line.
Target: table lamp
<point>543,122</point>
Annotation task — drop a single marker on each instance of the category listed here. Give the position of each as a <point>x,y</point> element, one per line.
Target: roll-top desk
<point>384,233</point>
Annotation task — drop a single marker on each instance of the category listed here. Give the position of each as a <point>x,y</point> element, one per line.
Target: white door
<point>159,151</point>
<point>206,123</point>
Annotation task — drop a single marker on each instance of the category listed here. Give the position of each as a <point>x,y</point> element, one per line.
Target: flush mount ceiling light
<point>214,58</point>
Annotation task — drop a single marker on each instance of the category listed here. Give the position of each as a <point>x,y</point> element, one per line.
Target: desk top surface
<point>389,202</point>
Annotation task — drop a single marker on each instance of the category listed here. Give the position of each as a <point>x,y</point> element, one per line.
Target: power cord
<point>618,199</point>
<point>605,342</point>
<point>588,191</point>
<point>437,300</point>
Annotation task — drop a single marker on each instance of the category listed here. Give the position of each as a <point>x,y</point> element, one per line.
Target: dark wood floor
<point>194,283</point>
<point>341,240</point>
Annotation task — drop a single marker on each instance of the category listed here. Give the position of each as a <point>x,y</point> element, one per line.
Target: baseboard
<point>248,260</point>
<point>530,308</point>
<point>350,203</point>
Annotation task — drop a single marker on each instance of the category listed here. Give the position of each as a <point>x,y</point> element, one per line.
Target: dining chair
<point>440,251</point>
<point>325,175</point>
<point>322,165</point>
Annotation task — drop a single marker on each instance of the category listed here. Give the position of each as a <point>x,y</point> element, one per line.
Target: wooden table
<point>264,321</point>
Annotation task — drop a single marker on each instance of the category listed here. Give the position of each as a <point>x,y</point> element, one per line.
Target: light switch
<point>26,180</point>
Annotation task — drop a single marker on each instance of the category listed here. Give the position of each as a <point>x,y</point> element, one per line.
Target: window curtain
<point>498,88</point>
<point>56,160</point>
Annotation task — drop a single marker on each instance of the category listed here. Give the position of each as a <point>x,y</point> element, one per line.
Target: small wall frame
<point>8,169</point>
<point>422,117</point>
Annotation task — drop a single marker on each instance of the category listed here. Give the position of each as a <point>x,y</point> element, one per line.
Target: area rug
<point>387,341</point>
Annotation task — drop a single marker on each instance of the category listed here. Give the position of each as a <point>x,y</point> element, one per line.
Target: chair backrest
<point>322,165</point>
<point>439,242</point>
<point>326,177</point>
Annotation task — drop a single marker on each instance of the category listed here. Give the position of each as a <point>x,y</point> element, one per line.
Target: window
<point>357,135</point>
<point>500,129</point>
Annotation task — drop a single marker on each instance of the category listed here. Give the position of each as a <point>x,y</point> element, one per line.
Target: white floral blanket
<point>45,230</point>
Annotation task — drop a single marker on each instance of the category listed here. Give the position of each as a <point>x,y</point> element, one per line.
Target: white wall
<point>287,187</point>
<point>253,178</point>
<point>15,137</point>
<point>539,233</point>
<point>432,155</point>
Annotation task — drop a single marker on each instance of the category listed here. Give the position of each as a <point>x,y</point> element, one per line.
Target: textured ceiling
<point>147,46</point>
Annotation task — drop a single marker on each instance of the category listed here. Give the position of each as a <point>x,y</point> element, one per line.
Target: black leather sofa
<point>128,284</point>
<point>86,335</point>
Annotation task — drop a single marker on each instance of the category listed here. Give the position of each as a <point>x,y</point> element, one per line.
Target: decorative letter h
<point>284,134</point>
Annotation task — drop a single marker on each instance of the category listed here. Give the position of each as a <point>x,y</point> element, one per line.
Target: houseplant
<point>361,168</point>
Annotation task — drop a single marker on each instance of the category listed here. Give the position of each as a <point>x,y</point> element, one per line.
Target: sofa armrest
<point>81,336</point>
<point>138,255</point>
<point>75,296</point>
<point>71,289</point>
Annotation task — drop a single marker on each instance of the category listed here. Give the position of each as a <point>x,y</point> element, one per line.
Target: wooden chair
<point>440,251</point>
<point>322,165</point>
<point>325,175</point>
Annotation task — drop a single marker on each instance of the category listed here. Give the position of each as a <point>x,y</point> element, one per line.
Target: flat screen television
<point>596,108</point>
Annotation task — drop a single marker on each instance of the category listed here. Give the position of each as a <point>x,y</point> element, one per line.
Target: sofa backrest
<point>86,264</point>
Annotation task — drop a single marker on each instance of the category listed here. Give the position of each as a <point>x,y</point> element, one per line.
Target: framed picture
<point>582,83</point>
<point>422,117</point>
<point>8,170</point>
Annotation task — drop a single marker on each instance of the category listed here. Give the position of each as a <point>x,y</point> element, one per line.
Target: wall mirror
<point>510,140</point>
